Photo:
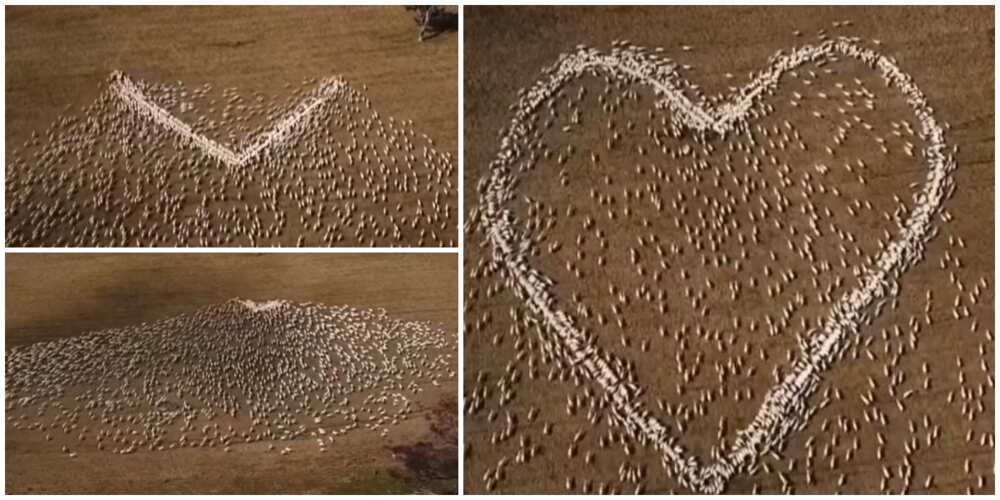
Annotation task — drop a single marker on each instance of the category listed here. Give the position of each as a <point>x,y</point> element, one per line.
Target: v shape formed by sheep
<point>134,98</point>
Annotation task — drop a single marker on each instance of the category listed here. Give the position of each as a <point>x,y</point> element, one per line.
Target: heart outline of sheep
<point>134,98</point>
<point>785,407</point>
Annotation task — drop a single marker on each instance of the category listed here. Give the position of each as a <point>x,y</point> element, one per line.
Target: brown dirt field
<point>57,295</point>
<point>948,52</point>
<point>58,60</point>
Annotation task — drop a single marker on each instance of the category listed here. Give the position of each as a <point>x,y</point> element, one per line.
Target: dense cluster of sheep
<point>706,201</point>
<point>228,375</point>
<point>159,165</point>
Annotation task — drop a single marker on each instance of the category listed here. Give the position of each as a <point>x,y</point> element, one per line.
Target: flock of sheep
<point>162,165</point>
<point>666,289</point>
<point>226,376</point>
<point>685,264</point>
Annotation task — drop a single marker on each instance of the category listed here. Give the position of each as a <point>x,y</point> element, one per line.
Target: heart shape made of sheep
<point>785,407</point>
<point>133,97</point>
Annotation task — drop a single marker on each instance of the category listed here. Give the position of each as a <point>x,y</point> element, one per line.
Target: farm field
<point>229,126</point>
<point>671,289</point>
<point>59,297</point>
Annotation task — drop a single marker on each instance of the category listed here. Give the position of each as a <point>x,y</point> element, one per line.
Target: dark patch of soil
<point>436,458</point>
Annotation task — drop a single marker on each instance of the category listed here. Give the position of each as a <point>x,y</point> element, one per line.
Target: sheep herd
<point>163,165</point>
<point>242,372</point>
<point>693,265</point>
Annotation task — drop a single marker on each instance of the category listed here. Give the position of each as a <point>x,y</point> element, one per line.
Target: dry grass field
<point>696,266</point>
<point>56,296</point>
